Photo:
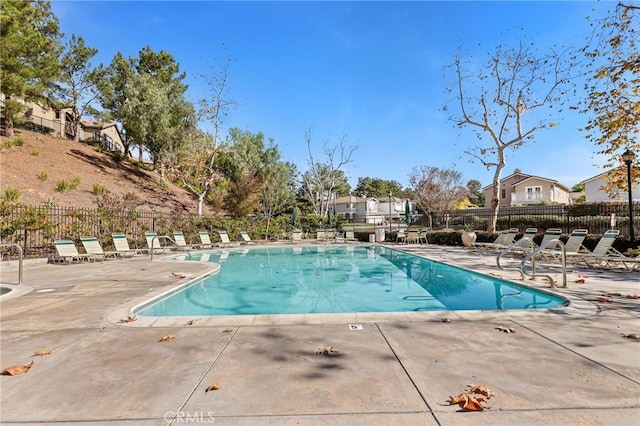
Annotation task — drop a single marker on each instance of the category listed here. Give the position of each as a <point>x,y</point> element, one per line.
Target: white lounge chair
<point>121,244</point>
<point>525,244</point>
<point>573,247</point>
<point>350,236</point>
<point>92,246</point>
<point>296,236</point>
<point>602,253</point>
<point>153,241</point>
<point>178,237</point>
<point>205,239</point>
<point>502,241</point>
<point>224,240</point>
<point>246,239</point>
<point>67,252</point>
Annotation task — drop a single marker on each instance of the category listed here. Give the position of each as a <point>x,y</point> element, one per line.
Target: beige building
<point>59,123</point>
<point>522,189</point>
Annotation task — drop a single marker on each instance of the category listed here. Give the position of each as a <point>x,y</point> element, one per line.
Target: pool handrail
<point>19,258</point>
<point>532,255</point>
<point>165,237</point>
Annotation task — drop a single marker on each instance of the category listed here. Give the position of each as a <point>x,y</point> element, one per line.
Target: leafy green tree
<point>146,95</point>
<point>245,170</point>
<point>76,87</point>
<point>29,54</point>
<point>278,186</point>
<point>376,187</point>
<point>476,196</point>
<point>493,98</point>
<point>112,92</point>
<point>613,89</point>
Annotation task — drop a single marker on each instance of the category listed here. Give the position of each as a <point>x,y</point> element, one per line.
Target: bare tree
<point>494,98</point>
<point>436,190</point>
<point>322,179</point>
<point>198,171</point>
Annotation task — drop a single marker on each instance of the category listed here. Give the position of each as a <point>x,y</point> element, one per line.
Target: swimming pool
<point>338,279</point>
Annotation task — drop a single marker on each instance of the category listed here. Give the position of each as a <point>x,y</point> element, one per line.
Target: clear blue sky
<point>370,71</point>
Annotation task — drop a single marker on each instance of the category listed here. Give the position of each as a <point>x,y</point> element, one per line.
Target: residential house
<point>104,134</point>
<point>393,208</point>
<point>594,192</point>
<point>59,123</point>
<point>358,209</point>
<point>521,189</point>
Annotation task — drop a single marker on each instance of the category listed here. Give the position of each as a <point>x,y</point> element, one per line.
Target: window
<point>504,193</point>
<point>57,113</point>
<point>534,192</point>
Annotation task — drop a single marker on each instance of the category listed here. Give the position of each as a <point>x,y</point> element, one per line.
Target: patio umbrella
<point>407,212</point>
<point>294,218</point>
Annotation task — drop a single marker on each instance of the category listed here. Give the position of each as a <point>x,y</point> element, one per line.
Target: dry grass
<point>63,159</point>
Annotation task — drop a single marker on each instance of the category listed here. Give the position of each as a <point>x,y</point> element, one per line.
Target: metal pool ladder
<point>164,237</point>
<point>19,258</point>
<point>531,256</point>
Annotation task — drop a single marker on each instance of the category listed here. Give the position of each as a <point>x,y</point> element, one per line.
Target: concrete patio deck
<point>569,366</point>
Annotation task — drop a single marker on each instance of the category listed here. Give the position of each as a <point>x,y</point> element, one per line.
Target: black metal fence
<point>595,217</point>
<point>36,228</point>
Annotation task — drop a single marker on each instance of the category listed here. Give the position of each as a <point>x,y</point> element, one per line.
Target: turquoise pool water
<point>338,279</point>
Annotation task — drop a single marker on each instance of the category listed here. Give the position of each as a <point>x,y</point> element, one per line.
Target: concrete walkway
<point>569,366</point>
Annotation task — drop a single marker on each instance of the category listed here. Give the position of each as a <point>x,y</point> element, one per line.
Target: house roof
<point>350,199</point>
<point>555,182</point>
<point>599,175</point>
<point>527,177</point>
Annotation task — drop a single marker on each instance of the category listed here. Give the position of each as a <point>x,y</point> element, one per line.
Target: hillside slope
<point>63,159</point>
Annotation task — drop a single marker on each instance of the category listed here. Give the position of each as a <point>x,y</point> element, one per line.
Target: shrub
<point>35,152</point>
<point>74,182</point>
<point>62,186</point>
<point>43,175</point>
<point>11,194</point>
<point>98,189</point>
<point>118,156</point>
<point>17,141</point>
<point>51,202</point>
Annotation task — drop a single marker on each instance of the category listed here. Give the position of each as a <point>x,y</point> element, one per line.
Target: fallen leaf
<point>446,320</point>
<point>580,281</point>
<point>328,350</point>
<point>43,352</point>
<point>634,296</point>
<point>177,276</point>
<point>602,300</point>
<point>613,294</point>
<point>167,338</point>
<point>468,402</point>
<point>506,329</point>
<point>632,336</point>
<point>130,318</point>
<point>227,330</point>
<point>193,321</point>
<point>480,389</point>
<point>14,370</point>
<point>213,387</point>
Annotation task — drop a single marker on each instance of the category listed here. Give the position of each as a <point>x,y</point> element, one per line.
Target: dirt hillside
<point>60,159</point>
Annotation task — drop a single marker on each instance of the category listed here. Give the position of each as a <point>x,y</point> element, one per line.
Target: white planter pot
<point>469,238</point>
